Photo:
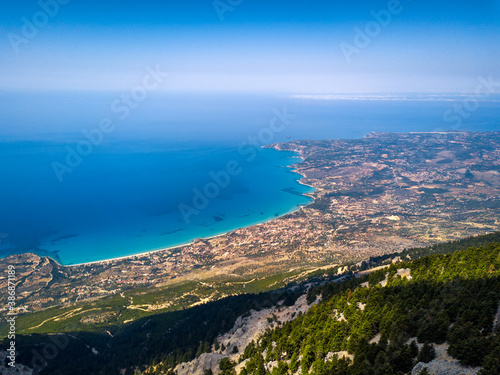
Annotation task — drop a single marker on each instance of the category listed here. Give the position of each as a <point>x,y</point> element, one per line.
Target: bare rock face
<point>496,322</point>
<point>245,330</point>
<point>250,328</point>
<point>435,369</point>
<point>443,364</point>
<point>19,369</point>
<point>200,364</point>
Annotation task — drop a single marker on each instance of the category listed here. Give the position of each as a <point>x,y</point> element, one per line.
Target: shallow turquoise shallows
<point>126,199</point>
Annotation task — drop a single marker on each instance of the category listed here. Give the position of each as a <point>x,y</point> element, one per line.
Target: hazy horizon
<point>281,47</point>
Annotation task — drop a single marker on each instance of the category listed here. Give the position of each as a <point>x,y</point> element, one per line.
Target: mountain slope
<point>449,298</point>
<point>441,298</point>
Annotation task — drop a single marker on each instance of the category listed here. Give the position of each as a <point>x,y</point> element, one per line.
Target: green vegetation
<point>113,312</point>
<point>162,339</point>
<point>446,297</point>
<point>450,298</point>
<point>415,253</point>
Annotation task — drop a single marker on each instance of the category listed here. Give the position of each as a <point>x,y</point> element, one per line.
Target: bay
<point>126,198</point>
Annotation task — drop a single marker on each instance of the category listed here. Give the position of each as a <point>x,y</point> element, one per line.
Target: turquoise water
<point>124,199</point>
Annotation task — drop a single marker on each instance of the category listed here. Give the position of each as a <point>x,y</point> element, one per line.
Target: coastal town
<point>379,194</point>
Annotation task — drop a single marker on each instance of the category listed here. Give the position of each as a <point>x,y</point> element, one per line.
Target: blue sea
<point>179,167</point>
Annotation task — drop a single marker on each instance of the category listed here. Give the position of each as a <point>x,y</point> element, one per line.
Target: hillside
<point>447,299</point>
<point>377,195</point>
<point>377,320</point>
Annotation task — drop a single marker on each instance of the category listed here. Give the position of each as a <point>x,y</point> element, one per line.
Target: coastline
<point>149,252</point>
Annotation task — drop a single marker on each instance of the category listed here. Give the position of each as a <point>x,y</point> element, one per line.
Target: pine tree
<point>427,353</point>
<point>413,349</point>
<point>307,359</point>
<point>294,363</point>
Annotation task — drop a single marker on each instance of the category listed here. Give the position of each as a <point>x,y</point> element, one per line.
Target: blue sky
<point>279,46</point>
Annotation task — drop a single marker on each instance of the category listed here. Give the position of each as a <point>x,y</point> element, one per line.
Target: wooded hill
<point>449,297</point>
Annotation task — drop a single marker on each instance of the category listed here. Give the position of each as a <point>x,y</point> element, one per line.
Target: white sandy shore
<point>149,252</point>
